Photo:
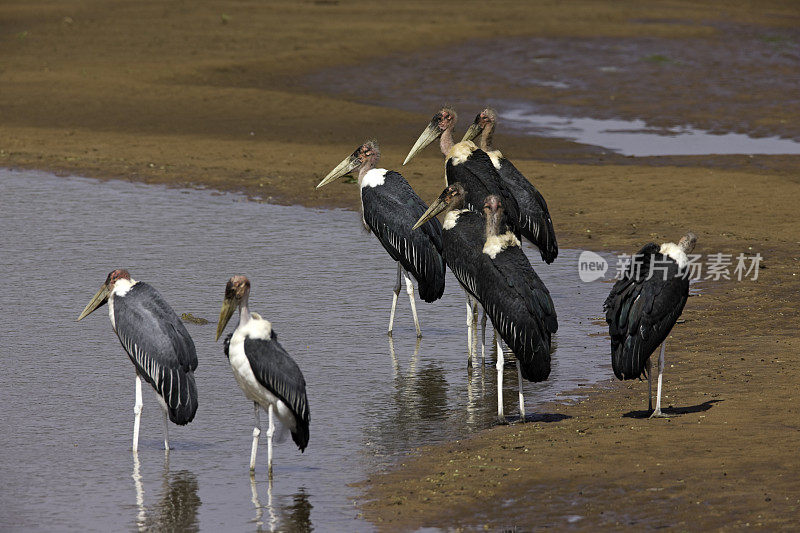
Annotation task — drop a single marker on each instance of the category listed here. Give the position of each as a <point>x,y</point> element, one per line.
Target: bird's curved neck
<point>486,137</point>
<point>493,222</point>
<point>368,165</point>
<point>446,141</point>
<point>244,311</point>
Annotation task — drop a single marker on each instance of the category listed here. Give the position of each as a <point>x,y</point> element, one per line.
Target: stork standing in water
<point>263,370</point>
<point>643,307</point>
<point>534,217</point>
<point>157,344</point>
<point>389,208</point>
<point>485,256</point>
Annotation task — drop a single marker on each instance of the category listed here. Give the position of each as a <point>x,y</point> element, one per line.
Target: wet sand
<point>198,93</point>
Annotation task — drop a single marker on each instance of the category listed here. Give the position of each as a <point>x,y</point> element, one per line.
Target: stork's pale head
<point>452,197</point>
<point>101,297</point>
<point>687,242</point>
<point>492,203</point>
<point>236,291</point>
<point>367,154</point>
<point>485,120</point>
<point>445,119</point>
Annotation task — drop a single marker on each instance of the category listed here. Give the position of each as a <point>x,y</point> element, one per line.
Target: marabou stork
<point>534,218</point>
<point>157,344</point>
<point>264,371</point>
<point>642,308</point>
<point>389,208</point>
<point>485,256</point>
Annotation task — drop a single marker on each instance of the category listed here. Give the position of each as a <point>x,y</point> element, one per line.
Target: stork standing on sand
<point>265,372</point>
<point>643,307</point>
<point>534,217</point>
<point>389,209</point>
<point>157,344</point>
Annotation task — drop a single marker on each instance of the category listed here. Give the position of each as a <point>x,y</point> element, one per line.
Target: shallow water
<point>67,388</point>
<point>643,96</point>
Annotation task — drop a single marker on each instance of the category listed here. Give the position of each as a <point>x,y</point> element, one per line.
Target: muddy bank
<point>196,93</point>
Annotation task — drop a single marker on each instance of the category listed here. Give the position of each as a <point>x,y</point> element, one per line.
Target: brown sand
<point>199,92</point>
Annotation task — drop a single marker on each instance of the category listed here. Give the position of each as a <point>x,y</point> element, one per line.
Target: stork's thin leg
<point>397,286</point>
<point>521,397</point>
<point>166,430</point>
<point>256,433</point>
<point>469,329</point>
<point>657,412</point>
<point>137,412</point>
<point>410,291</point>
<point>648,365</point>
<point>270,432</point>
<point>483,338</point>
<point>500,363</point>
<point>474,347</point>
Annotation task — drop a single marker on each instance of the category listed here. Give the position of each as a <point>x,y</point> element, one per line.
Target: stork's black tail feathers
<point>431,286</point>
<point>184,412</point>
<point>300,434</point>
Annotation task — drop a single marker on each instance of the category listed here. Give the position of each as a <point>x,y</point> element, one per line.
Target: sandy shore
<point>208,94</point>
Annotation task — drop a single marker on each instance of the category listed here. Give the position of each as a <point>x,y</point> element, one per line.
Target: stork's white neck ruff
<point>460,152</point>
<point>122,286</point>
<point>374,178</point>
<point>674,251</point>
<point>451,218</point>
<point>495,156</point>
<point>497,243</point>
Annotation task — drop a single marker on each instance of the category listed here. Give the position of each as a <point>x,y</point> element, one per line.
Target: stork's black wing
<point>480,179</point>
<point>642,308</point>
<point>462,246</point>
<point>534,217</point>
<point>390,211</point>
<point>521,309</point>
<point>278,372</point>
<point>160,347</point>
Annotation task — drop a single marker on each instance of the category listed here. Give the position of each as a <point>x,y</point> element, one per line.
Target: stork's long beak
<point>228,307</point>
<point>431,133</point>
<point>436,207</point>
<point>473,131</point>
<point>98,299</point>
<point>341,169</point>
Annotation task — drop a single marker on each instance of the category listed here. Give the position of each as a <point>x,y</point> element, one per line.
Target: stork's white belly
<point>252,389</point>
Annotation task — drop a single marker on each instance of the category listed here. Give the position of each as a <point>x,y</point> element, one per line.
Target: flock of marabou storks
<point>488,206</point>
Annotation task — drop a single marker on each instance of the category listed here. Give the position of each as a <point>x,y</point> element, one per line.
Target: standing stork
<point>389,208</point>
<point>642,308</point>
<point>157,344</point>
<point>485,257</point>
<point>534,217</point>
<point>265,372</point>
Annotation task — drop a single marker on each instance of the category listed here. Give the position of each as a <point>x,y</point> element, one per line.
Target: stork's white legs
<point>657,412</point>
<point>483,338</point>
<point>469,329</point>
<point>397,286</point>
<point>410,291</point>
<point>256,433</point>
<point>137,413</point>
<point>521,397</point>
<point>166,430</point>
<point>270,432</point>
<point>500,363</point>
<point>402,274</point>
<point>648,364</point>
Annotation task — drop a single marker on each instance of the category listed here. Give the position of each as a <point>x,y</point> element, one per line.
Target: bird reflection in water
<point>295,516</point>
<point>177,509</point>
